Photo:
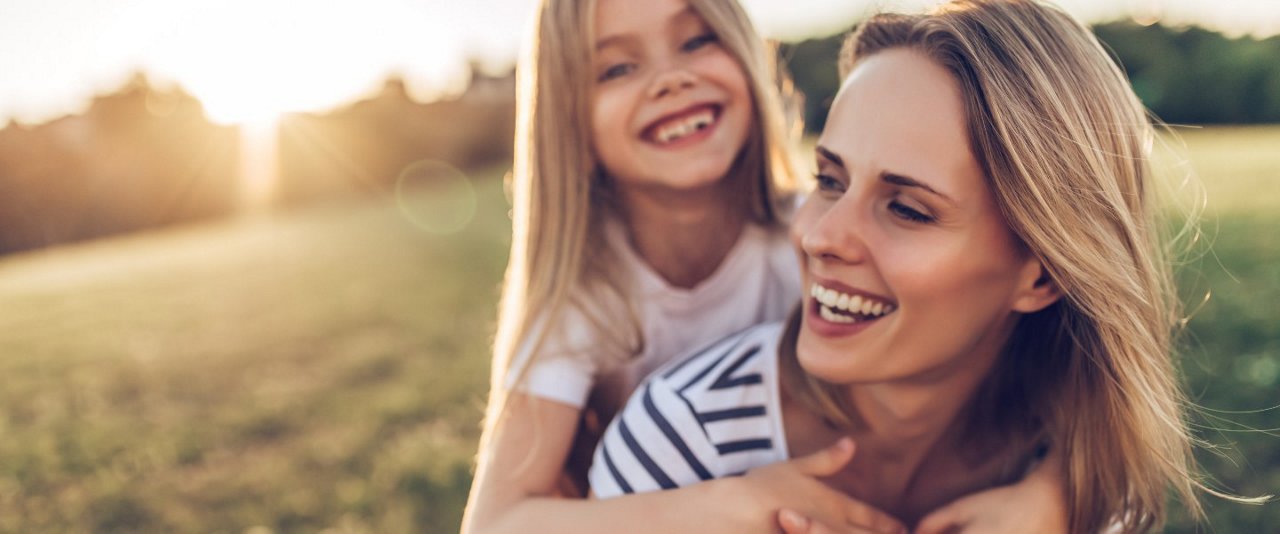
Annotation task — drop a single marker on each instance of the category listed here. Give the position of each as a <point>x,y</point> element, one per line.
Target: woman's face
<point>911,273</point>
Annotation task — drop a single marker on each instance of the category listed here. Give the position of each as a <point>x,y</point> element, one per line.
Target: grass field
<point>325,369</point>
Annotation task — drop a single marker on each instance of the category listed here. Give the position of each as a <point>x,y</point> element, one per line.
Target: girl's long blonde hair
<point>1065,147</point>
<point>560,200</point>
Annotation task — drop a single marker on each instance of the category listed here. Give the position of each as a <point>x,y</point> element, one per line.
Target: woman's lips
<point>843,311</point>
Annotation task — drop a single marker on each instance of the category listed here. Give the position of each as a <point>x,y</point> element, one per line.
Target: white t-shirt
<point>757,282</point>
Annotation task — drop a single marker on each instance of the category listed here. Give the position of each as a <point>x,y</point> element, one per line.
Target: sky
<point>253,59</point>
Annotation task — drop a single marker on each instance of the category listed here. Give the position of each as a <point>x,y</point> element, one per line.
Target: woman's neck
<point>913,453</point>
<point>683,235</point>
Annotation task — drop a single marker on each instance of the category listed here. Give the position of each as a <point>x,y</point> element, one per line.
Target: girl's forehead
<point>628,19</point>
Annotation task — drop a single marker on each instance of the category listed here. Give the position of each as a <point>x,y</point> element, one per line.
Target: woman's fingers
<point>826,461</point>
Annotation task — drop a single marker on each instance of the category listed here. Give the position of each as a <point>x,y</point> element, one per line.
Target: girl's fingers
<point>868,517</point>
<point>826,461</point>
<point>950,518</point>
<point>793,522</point>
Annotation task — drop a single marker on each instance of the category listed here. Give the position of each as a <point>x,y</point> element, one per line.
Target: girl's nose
<point>671,81</point>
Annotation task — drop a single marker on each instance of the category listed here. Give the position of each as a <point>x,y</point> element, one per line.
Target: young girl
<point>651,185</point>
<point>984,279</point>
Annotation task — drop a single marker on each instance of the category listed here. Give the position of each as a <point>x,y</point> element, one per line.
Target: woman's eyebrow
<point>828,155</point>
<point>888,177</point>
<point>906,181</point>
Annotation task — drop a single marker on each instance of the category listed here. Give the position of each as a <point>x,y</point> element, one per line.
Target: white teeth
<point>832,300</point>
<point>677,129</point>
<point>834,317</point>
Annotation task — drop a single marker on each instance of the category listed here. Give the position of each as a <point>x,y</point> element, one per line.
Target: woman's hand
<point>799,502</point>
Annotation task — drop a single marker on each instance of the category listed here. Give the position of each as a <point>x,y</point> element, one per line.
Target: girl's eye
<point>908,213</point>
<point>828,183</point>
<point>615,71</point>
<point>699,42</point>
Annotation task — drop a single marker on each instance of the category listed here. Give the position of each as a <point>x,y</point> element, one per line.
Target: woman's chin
<point>823,362</point>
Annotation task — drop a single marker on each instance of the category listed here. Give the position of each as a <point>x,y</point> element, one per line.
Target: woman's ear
<point>1036,289</point>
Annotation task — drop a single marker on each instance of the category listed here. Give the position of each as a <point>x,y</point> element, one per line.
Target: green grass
<point>318,369</point>
<point>326,368</point>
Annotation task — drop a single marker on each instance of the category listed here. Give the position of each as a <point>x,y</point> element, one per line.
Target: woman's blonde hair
<point>561,198</point>
<point>1065,145</point>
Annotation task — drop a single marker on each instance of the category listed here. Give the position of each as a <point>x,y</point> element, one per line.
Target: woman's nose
<point>835,235</point>
<point>671,81</point>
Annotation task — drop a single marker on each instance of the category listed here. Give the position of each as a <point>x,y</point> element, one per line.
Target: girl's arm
<point>1034,504</point>
<point>1037,503</point>
<point>518,474</point>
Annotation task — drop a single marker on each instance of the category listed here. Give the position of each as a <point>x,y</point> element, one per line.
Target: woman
<point>985,283</point>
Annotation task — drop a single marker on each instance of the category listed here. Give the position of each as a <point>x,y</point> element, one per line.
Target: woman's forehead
<point>902,111</point>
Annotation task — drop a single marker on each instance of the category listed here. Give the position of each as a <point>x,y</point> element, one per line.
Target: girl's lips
<point>673,120</point>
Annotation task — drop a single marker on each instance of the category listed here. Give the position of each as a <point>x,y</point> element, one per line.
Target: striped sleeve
<point>708,416</point>
<point>653,444</point>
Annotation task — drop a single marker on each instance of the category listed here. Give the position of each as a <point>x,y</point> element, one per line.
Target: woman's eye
<point>615,71</point>
<point>699,42</point>
<point>908,213</point>
<point>828,183</point>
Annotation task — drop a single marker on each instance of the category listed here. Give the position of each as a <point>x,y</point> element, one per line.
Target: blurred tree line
<point>144,157</point>
<point>1184,75</point>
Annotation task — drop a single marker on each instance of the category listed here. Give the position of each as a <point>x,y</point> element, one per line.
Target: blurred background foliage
<point>171,364</point>
<point>1184,75</point>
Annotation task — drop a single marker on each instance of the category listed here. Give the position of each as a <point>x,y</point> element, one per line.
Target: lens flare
<point>436,197</point>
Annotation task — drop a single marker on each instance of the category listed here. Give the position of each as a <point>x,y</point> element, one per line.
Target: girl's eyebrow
<point>610,40</point>
<point>889,177</point>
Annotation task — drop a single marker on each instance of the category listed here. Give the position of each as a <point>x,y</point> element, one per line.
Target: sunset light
<point>251,66</point>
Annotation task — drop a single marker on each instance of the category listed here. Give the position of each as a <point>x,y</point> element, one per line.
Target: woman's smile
<point>838,310</point>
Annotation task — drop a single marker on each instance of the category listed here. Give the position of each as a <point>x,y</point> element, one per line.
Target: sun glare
<point>251,61</point>
<point>259,163</point>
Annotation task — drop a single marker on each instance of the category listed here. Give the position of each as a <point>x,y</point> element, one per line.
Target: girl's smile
<point>689,125</point>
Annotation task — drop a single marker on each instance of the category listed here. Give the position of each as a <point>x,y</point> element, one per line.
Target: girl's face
<point>671,107</point>
<point>910,271</point>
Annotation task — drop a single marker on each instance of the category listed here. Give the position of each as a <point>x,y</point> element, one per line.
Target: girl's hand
<point>1035,504</point>
<point>804,504</point>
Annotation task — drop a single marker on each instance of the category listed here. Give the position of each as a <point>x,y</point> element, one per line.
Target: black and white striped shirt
<point>714,414</point>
